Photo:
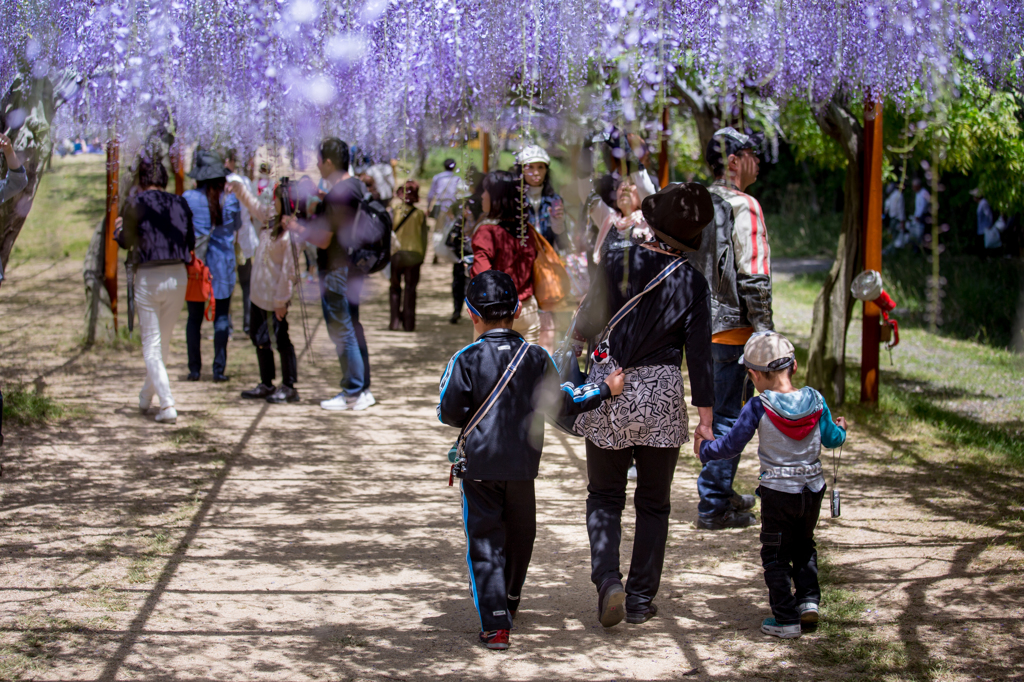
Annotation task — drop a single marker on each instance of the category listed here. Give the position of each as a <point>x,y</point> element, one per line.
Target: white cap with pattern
<point>768,352</point>
<point>533,154</point>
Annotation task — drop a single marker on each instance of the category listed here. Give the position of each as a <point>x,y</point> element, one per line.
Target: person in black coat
<point>502,452</point>
<point>648,423</point>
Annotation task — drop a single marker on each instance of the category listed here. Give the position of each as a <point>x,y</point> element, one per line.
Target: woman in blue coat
<point>216,217</point>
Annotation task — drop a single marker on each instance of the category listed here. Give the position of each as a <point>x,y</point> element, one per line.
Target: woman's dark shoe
<point>454,319</point>
<point>258,393</point>
<point>642,616</point>
<point>194,376</point>
<point>220,378</point>
<point>611,602</point>
<point>283,394</point>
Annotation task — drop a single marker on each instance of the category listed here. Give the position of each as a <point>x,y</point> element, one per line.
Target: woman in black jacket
<point>647,423</point>
<point>158,225</point>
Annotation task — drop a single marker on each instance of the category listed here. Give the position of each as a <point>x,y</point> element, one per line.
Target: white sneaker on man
<point>337,403</point>
<point>167,415</point>
<point>364,401</point>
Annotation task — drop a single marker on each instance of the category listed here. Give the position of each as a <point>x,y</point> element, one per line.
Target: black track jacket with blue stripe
<point>506,445</point>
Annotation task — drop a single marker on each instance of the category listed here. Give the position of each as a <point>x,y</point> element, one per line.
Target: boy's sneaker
<point>338,402</point>
<point>611,602</point>
<point>495,639</point>
<point>742,502</point>
<point>364,401</point>
<point>259,393</point>
<point>730,519</point>
<point>642,616</point>
<point>167,415</point>
<point>808,613</point>
<point>283,394</point>
<point>770,626</point>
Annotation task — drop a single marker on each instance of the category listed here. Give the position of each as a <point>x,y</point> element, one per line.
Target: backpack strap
<point>493,397</point>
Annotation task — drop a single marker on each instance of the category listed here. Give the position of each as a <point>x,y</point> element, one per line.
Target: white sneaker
<point>631,474</point>
<point>808,612</point>
<point>364,401</point>
<point>338,402</point>
<point>167,415</point>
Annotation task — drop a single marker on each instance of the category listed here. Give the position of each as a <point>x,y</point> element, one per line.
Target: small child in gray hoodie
<point>792,426</point>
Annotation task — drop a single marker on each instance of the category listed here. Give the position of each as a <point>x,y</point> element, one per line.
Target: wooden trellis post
<point>871,334</point>
<point>663,174</point>
<point>110,246</point>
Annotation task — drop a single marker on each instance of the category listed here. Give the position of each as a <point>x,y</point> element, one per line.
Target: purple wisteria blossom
<point>253,72</point>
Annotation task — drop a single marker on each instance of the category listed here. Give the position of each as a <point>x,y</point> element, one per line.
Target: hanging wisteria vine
<point>249,72</point>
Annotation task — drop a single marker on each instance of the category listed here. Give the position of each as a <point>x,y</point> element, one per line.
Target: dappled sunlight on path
<point>283,542</point>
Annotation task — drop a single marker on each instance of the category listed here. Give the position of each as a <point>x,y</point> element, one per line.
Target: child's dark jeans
<point>788,550</point>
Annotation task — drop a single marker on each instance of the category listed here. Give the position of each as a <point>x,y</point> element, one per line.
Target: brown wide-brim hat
<point>679,213</point>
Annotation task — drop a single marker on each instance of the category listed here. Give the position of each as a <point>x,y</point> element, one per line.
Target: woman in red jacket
<point>502,241</point>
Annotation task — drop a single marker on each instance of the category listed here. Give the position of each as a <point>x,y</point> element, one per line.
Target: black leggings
<point>259,331</point>
<point>606,498</point>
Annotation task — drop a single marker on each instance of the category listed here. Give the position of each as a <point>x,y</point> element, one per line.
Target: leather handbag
<point>200,286</point>
<point>551,284</point>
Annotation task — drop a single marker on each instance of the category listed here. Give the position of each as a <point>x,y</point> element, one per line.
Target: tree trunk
<point>826,362</point>
<point>35,98</point>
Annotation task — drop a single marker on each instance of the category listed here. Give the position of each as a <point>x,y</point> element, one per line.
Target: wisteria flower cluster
<point>381,72</point>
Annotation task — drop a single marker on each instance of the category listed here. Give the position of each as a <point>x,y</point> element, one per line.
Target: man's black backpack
<point>371,250</point>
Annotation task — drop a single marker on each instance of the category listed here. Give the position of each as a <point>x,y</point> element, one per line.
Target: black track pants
<point>788,552</point>
<point>500,519</point>
<point>606,498</point>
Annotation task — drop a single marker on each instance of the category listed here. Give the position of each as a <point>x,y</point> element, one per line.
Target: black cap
<point>207,165</point>
<point>492,296</point>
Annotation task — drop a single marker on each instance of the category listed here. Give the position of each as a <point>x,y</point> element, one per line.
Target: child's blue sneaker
<point>770,626</point>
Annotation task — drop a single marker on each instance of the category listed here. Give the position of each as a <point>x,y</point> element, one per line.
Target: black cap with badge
<point>492,296</point>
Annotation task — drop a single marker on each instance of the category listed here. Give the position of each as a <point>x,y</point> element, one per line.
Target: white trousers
<point>159,296</point>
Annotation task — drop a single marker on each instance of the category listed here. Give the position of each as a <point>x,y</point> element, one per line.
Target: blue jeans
<point>715,481</point>
<point>341,329</point>
<point>221,324</point>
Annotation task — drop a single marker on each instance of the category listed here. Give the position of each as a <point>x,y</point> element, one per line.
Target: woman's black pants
<point>260,322</point>
<point>606,498</point>
<point>221,324</point>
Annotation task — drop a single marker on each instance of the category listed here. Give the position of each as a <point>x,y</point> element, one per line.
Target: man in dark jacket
<point>503,451</point>
<point>735,259</point>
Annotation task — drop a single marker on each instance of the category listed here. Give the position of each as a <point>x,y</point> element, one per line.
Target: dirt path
<point>253,541</point>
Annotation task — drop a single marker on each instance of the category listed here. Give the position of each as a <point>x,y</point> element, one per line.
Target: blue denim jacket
<point>220,255</point>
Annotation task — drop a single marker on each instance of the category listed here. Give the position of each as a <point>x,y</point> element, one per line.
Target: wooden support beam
<point>110,246</point>
<point>485,151</point>
<point>663,174</point>
<point>178,166</point>
<point>872,248</point>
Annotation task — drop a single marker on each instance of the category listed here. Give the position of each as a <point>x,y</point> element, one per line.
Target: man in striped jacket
<point>736,260</point>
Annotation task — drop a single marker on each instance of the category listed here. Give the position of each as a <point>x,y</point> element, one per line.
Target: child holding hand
<point>502,453</point>
<point>792,426</point>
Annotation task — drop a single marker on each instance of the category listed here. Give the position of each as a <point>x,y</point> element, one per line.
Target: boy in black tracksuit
<point>503,451</point>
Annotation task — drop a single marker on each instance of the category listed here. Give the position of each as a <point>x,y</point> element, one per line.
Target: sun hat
<point>492,295</point>
<point>207,165</point>
<point>679,213</point>
<point>533,154</point>
<point>768,352</point>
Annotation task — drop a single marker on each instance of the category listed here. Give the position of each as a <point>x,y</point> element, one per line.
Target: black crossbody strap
<point>493,397</point>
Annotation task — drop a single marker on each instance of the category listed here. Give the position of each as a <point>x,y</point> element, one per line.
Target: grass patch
<point>139,570</point>
<point>188,435</point>
<point>71,199</point>
<point>41,638</point>
<point>29,408</point>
